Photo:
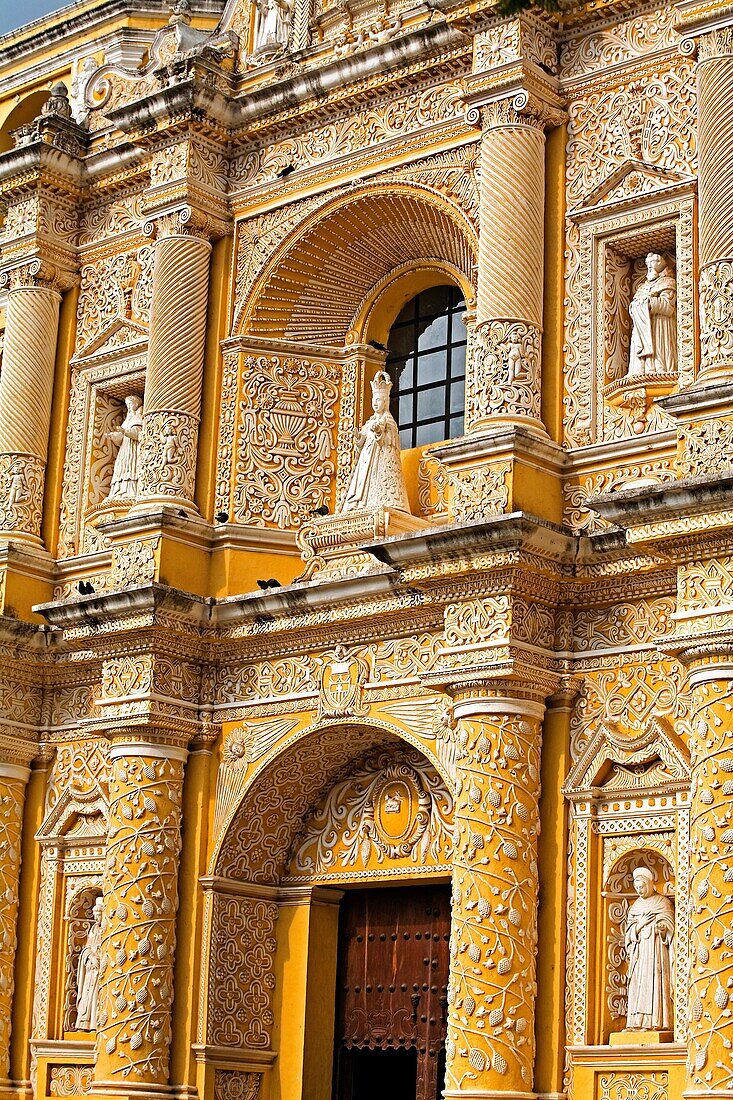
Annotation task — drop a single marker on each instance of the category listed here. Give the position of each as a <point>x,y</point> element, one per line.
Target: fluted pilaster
<point>491,1028</point>
<point>504,373</point>
<point>26,392</point>
<point>715,180</point>
<point>174,374</point>
<point>13,780</point>
<point>140,897</point>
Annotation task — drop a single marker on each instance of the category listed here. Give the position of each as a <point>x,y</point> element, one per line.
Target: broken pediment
<point>78,814</point>
<point>612,762</point>
<point>630,180</point>
<point>120,334</point>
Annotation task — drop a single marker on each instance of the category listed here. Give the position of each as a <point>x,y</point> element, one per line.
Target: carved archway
<point>318,281</point>
<point>264,827</point>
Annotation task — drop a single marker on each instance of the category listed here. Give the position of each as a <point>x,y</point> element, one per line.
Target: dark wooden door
<point>392,993</point>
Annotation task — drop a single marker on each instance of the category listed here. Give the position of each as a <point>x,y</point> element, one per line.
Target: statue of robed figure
<point>377,480</point>
<point>648,938</point>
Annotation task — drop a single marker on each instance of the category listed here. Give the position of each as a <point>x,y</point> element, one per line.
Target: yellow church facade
<point>366,551</point>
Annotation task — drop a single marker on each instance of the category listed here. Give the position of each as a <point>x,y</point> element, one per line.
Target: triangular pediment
<point>120,334</point>
<point>631,179</point>
<point>613,761</point>
<point>78,814</point>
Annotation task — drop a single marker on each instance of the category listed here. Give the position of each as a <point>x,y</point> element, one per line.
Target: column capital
<point>188,222</point>
<point>36,273</point>
<point>521,687</point>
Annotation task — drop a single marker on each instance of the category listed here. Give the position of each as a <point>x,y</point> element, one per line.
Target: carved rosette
<point>139,919</point>
<point>506,374</point>
<point>490,1043</point>
<point>710,1032</point>
<point>167,456</point>
<point>715,179</point>
<point>13,779</point>
<point>26,392</point>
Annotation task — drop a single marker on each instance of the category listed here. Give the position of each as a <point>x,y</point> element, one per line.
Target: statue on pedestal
<point>653,309</point>
<point>377,480</point>
<point>273,26</point>
<point>87,975</point>
<point>126,437</point>
<point>648,940</point>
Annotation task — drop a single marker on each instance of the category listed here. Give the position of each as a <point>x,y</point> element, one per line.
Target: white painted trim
<point>710,673</point>
<point>14,771</point>
<point>122,749</point>
<point>467,708</point>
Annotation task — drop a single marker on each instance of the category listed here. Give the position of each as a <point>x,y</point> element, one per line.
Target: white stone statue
<point>273,26</point>
<point>377,479</point>
<point>126,437</point>
<point>653,311</point>
<point>87,975</point>
<point>648,937</point>
<point>79,85</point>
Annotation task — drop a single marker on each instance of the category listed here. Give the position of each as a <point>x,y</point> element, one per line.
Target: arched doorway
<point>335,863</point>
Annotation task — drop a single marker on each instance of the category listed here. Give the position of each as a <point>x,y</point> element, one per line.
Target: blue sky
<point>14,13</point>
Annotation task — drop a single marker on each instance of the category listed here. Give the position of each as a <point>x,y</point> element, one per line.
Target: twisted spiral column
<point>490,1044</point>
<point>13,780</point>
<point>26,392</point>
<point>715,180</point>
<point>710,1032</point>
<point>504,375</point>
<point>167,456</point>
<point>140,898</point>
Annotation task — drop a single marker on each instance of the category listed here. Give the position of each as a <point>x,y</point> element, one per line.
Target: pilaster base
<point>331,546</point>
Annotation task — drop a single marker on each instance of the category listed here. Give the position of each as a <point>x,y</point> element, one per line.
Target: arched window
<point>426,360</point>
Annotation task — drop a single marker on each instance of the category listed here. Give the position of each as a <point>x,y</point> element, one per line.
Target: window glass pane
<point>456,427</point>
<point>405,409</point>
<point>400,371</point>
<point>430,433</point>
<point>435,335</point>
<point>457,398</point>
<point>459,306</point>
<point>431,367</point>
<point>431,403</point>
<point>405,437</point>
<point>435,300</point>
<point>458,360</point>
<point>402,342</point>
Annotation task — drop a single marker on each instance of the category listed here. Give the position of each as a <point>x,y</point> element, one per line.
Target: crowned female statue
<point>648,939</point>
<point>87,975</point>
<point>377,479</point>
<point>126,437</point>
<point>653,311</point>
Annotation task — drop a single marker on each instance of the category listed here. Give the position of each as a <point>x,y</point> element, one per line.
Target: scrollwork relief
<point>284,462</point>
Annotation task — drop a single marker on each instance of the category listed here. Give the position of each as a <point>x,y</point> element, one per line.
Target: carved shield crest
<point>341,685</point>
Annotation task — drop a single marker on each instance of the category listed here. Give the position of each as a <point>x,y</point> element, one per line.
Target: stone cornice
<point>678,510</point>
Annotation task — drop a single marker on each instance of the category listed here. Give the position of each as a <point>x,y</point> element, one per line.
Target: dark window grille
<point>426,360</point>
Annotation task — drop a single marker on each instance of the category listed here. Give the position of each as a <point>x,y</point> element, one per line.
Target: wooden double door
<point>392,986</point>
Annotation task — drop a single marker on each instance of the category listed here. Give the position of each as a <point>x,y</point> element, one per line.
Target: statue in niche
<point>377,479</point>
<point>273,26</point>
<point>87,975</point>
<point>653,311</point>
<point>127,437</point>
<point>648,937</point>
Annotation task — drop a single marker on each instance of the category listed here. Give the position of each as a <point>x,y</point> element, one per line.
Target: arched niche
<point>259,919</point>
<point>79,919</point>
<point>618,895</point>
<point>321,280</point>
